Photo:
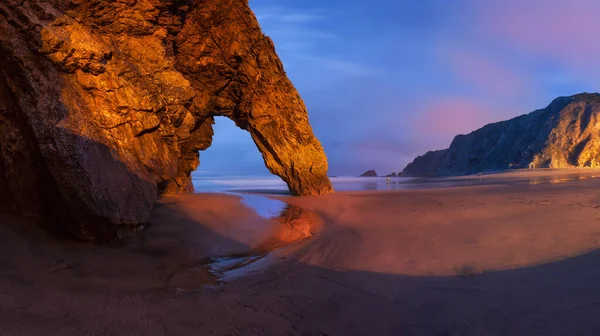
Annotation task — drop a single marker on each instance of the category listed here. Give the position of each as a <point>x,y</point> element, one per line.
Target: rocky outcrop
<point>564,134</point>
<point>104,105</point>
<point>391,175</point>
<point>369,173</point>
<point>425,165</point>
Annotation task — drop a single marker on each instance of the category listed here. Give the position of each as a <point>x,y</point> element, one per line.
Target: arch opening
<point>234,163</point>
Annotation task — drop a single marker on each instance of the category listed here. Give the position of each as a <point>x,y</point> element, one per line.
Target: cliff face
<point>105,104</point>
<point>426,164</point>
<point>564,134</point>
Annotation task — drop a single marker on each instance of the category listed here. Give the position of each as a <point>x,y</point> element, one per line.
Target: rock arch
<point>114,99</point>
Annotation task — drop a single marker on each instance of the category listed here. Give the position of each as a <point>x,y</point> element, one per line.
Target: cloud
<point>267,15</point>
<point>292,18</point>
<point>300,37</point>
<point>443,118</point>
<point>566,31</point>
<point>385,153</point>
<point>293,26</point>
<point>484,73</point>
<point>342,66</point>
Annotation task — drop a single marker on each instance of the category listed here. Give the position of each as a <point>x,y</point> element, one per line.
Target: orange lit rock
<point>104,105</point>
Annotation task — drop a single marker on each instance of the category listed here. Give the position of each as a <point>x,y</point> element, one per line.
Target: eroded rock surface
<point>565,134</point>
<point>104,105</point>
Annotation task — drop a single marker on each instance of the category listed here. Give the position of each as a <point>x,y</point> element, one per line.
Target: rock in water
<point>104,105</point>
<point>369,173</point>
<point>564,134</point>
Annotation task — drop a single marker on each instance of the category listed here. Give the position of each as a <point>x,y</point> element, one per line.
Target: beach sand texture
<point>510,258</point>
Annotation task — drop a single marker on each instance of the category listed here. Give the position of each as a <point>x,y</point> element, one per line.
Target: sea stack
<point>105,104</point>
<point>369,173</point>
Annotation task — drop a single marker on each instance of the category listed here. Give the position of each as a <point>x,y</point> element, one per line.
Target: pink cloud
<point>442,119</point>
<point>564,30</point>
<point>484,73</point>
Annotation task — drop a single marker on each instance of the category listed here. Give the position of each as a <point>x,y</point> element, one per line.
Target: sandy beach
<point>513,254</point>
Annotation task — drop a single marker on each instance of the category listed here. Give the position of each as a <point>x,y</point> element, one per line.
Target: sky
<point>387,80</point>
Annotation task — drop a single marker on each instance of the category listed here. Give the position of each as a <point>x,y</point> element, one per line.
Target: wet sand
<point>505,258</point>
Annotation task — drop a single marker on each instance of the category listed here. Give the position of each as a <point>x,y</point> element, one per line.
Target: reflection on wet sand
<point>290,225</point>
<point>190,241</point>
<point>456,231</point>
<point>396,185</point>
<point>560,179</point>
<point>296,224</point>
<point>370,186</point>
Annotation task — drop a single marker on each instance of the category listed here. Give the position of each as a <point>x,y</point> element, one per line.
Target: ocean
<point>253,189</point>
<point>214,183</point>
<point>207,183</point>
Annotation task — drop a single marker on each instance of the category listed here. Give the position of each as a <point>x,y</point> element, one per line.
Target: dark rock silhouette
<point>369,173</point>
<point>104,105</point>
<point>425,165</point>
<point>564,134</point>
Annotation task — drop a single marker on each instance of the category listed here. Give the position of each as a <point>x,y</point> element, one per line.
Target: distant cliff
<point>426,164</point>
<point>564,134</point>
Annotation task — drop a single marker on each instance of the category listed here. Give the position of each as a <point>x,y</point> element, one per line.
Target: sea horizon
<point>208,182</point>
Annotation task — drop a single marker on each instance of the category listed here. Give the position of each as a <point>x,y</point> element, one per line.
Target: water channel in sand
<point>281,224</point>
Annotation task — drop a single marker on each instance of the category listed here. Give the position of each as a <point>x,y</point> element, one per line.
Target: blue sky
<point>386,80</point>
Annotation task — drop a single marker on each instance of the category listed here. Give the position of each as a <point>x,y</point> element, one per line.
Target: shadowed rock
<point>562,135</point>
<point>369,173</point>
<point>426,164</point>
<point>104,105</point>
